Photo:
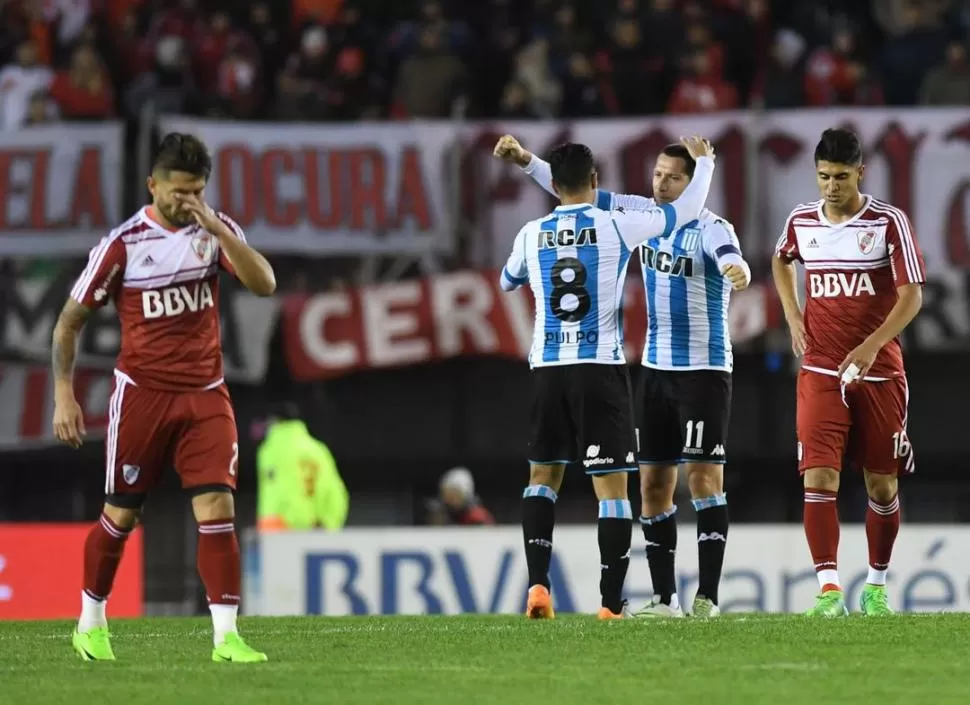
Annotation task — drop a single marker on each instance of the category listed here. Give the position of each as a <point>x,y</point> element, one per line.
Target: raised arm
<point>636,227</point>
<point>509,150</point>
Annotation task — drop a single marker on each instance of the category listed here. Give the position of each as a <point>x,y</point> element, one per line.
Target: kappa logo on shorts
<point>629,457</point>
<point>130,473</point>
<point>718,450</point>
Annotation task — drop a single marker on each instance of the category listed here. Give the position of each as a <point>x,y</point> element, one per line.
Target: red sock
<point>102,554</point>
<point>882,526</point>
<point>218,561</point>
<point>821,520</point>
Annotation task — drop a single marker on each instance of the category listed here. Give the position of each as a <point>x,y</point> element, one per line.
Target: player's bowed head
<point>180,171</point>
<point>839,170</point>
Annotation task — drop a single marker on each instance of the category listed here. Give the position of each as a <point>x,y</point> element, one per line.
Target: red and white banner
<point>60,188</point>
<point>361,188</point>
<point>412,186</point>
<point>463,313</point>
<point>27,404</point>
<point>30,306</point>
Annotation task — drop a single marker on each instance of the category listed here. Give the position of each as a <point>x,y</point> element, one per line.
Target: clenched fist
<point>736,275</point>
<point>509,150</point>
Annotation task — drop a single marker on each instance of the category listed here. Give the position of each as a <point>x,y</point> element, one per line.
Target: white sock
<point>223,621</point>
<point>828,577</point>
<point>876,576</point>
<point>92,613</point>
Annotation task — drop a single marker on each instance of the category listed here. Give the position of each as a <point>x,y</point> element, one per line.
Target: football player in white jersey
<point>683,395</point>
<point>575,260</point>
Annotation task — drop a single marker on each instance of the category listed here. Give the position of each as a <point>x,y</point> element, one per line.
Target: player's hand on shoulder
<point>737,276</point>
<point>698,147</point>
<point>796,326</point>
<point>68,420</point>
<point>509,150</point>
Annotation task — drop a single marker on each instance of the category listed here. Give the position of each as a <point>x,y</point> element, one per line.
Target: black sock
<point>712,530</point>
<point>615,534</point>
<point>538,520</point>
<point>660,533</point>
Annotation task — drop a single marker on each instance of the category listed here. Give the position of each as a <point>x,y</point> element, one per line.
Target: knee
<point>611,486</point>
<point>212,504</point>
<point>123,511</point>
<point>657,485</point>
<point>881,488</point>
<point>705,480</point>
<point>822,479</point>
<point>549,475</point>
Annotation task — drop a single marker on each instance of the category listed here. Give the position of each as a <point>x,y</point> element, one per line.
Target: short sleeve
<point>904,251</point>
<point>624,201</point>
<point>103,275</point>
<point>787,246</point>
<point>238,232</point>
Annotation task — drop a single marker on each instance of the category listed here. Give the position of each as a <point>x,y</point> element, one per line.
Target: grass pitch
<point>472,660</point>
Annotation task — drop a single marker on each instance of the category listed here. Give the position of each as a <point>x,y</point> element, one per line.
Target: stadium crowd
<point>369,59</point>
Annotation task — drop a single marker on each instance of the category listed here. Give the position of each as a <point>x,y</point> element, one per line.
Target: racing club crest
<point>867,240</point>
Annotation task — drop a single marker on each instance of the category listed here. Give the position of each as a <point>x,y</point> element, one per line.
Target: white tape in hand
<point>851,373</point>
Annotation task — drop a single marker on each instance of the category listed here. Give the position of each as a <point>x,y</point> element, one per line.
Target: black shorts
<point>683,417</point>
<point>584,413</point>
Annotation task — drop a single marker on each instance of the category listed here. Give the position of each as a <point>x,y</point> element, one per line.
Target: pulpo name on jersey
<point>176,300</point>
<point>667,263</point>
<point>577,337</point>
<point>566,237</point>
<point>831,284</point>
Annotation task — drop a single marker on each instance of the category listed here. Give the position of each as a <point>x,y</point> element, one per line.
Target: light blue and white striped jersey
<point>687,296</point>
<point>575,261</point>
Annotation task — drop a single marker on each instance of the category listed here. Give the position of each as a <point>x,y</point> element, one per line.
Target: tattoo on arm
<point>64,346</point>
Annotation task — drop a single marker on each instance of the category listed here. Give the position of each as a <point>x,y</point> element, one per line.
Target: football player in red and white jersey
<point>864,274</point>
<point>169,404</point>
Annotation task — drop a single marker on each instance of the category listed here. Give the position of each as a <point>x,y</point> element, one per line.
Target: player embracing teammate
<point>863,279</point>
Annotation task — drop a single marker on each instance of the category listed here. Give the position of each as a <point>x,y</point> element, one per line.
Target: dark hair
<point>572,166</point>
<point>181,152</point>
<point>680,152</point>
<point>839,145</point>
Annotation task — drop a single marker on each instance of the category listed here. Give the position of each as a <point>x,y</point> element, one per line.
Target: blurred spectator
<point>516,102</point>
<point>299,487</point>
<point>456,502</point>
<point>84,91</point>
<point>635,83</point>
<point>835,75</point>
<point>169,86</point>
<point>430,81</point>
<point>41,110</point>
<point>533,70</point>
<point>581,94</point>
<point>302,85</point>
<point>351,90</point>
<point>909,56</point>
<point>781,82</point>
<point>701,90</point>
<point>315,11</point>
<point>268,38</point>
<point>239,85</point>
<point>949,83</point>
<point>19,81</point>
